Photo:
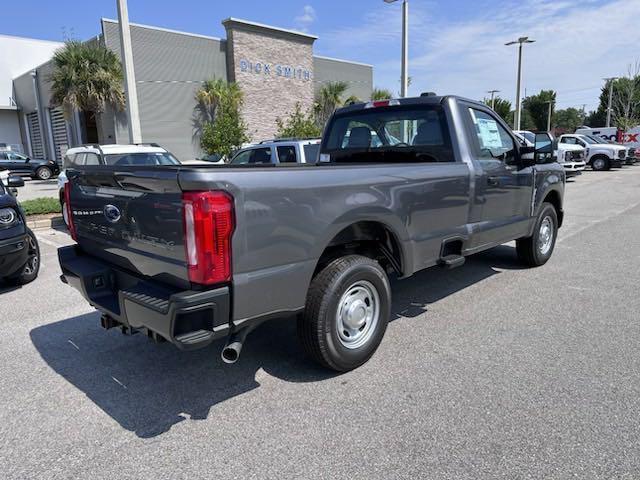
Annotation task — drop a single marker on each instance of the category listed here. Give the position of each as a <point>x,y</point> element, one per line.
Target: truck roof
<point>424,99</point>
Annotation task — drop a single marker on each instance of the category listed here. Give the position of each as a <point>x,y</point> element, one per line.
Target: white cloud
<point>306,18</point>
<point>577,43</point>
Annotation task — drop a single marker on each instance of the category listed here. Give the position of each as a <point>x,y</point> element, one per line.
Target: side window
<point>260,155</point>
<point>287,154</point>
<point>91,159</point>
<point>80,159</point>
<point>15,157</point>
<point>493,140</point>
<point>569,140</point>
<point>242,157</point>
<point>3,157</point>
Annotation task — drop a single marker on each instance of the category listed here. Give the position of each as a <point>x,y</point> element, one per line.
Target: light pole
<point>492,93</point>
<point>133,118</point>
<point>610,80</point>
<point>550,102</point>
<point>404,80</point>
<point>519,42</point>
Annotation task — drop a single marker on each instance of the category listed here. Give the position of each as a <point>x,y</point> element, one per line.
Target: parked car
<point>20,164</point>
<point>193,253</point>
<point>600,154</point>
<point>571,157</point>
<point>277,151</point>
<point>19,250</point>
<point>113,155</point>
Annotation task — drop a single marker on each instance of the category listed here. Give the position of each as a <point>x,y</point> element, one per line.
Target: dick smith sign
<point>278,70</point>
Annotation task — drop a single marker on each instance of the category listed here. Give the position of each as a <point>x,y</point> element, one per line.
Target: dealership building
<point>275,68</point>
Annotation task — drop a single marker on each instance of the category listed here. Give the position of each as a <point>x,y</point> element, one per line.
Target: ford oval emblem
<point>111,213</point>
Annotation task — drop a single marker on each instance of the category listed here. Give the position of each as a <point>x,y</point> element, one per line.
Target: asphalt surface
<point>487,371</point>
<point>38,189</point>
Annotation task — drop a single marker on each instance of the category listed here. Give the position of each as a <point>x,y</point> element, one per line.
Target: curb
<point>45,223</point>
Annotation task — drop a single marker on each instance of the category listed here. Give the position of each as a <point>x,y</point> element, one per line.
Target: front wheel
<point>347,311</point>
<point>600,164</point>
<point>29,272</point>
<point>44,173</point>
<point>536,250</point>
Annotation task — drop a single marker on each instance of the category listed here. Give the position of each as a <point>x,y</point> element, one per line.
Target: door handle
<point>493,181</point>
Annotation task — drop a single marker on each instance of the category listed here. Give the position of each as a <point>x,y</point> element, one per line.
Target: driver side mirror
<point>543,147</point>
<point>15,182</point>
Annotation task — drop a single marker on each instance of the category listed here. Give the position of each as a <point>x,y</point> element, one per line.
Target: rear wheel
<point>29,272</point>
<point>347,311</point>
<point>600,164</point>
<point>44,173</point>
<point>536,250</point>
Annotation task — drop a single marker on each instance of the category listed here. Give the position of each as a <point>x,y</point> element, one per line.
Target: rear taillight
<point>67,205</point>
<point>208,225</point>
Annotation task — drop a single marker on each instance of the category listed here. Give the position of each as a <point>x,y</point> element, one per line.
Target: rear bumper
<point>188,319</point>
<point>14,254</point>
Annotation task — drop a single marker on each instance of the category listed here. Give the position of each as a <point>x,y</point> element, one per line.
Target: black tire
<point>44,173</point>
<point>318,325</point>
<point>532,251</point>
<point>29,272</point>
<point>600,163</point>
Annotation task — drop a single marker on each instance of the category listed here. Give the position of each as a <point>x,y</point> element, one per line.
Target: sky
<point>455,46</point>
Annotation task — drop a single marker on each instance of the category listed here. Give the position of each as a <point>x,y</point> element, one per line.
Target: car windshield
<point>412,133</point>
<point>529,136</point>
<point>141,158</point>
<point>589,140</point>
<point>596,139</point>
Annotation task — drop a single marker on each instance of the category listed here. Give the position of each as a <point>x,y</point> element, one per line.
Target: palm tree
<point>351,100</point>
<point>214,95</point>
<point>381,94</point>
<point>329,98</point>
<point>87,77</point>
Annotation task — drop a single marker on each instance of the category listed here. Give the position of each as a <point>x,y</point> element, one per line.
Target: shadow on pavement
<point>148,388</point>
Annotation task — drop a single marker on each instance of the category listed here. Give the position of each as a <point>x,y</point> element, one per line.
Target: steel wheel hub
<point>545,237</point>
<point>357,315</point>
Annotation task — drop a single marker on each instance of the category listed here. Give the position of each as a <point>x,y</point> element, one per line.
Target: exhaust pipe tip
<point>231,352</point>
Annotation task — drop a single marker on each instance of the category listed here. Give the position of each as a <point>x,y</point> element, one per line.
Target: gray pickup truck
<point>194,253</point>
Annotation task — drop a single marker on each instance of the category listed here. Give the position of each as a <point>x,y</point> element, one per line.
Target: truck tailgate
<point>132,218</point>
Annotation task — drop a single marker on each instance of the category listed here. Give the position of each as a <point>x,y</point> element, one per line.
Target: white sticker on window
<point>489,133</point>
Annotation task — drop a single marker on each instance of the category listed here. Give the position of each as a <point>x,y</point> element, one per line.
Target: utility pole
<point>610,80</point>
<point>492,93</point>
<point>520,41</point>
<point>133,117</point>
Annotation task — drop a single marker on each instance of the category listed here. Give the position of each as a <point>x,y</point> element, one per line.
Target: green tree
<point>86,77</point>
<point>329,98</point>
<point>351,100</point>
<point>625,104</point>
<point>381,94</point>
<point>502,107</point>
<point>568,119</point>
<point>219,121</point>
<point>537,106</point>
<point>298,125</point>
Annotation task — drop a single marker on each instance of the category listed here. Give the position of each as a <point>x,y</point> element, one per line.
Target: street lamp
<point>404,87</point>
<point>550,102</point>
<point>610,80</point>
<point>492,93</point>
<point>519,42</point>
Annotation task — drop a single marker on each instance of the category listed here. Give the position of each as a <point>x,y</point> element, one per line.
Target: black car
<point>19,250</point>
<point>17,163</point>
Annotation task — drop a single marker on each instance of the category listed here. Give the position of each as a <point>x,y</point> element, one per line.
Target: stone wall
<point>274,69</point>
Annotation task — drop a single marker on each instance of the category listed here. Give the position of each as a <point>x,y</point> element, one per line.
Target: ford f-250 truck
<point>194,253</point>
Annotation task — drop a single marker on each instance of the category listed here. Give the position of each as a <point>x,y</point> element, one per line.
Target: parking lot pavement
<point>486,371</point>
<point>38,189</point>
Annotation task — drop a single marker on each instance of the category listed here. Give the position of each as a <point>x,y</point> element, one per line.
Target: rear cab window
<point>394,134</point>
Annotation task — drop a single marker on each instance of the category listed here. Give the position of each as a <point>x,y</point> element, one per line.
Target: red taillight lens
<point>67,205</point>
<point>208,225</point>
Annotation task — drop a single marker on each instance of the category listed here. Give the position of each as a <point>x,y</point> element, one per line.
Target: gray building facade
<point>274,67</point>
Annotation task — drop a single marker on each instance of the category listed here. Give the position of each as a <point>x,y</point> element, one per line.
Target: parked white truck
<point>628,138</point>
<point>571,157</point>
<point>600,155</point>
